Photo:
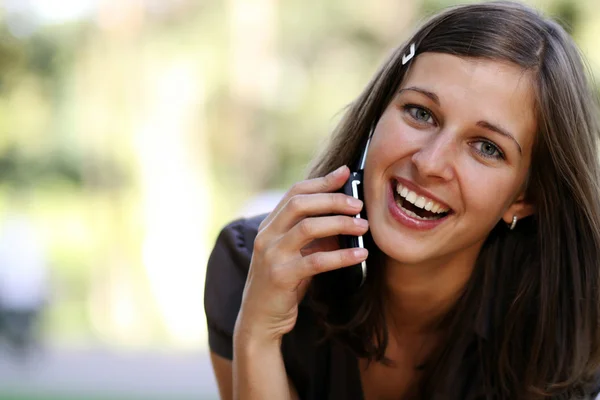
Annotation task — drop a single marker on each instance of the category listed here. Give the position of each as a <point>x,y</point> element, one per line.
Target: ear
<point>520,208</point>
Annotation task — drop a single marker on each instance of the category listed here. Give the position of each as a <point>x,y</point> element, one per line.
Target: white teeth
<point>412,214</point>
<point>429,205</point>
<point>419,201</point>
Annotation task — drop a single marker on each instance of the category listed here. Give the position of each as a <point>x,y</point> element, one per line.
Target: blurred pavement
<point>94,372</point>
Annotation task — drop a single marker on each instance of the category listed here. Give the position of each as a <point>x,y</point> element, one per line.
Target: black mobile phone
<point>348,279</point>
<point>355,274</point>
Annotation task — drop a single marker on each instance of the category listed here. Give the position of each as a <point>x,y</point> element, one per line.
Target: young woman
<point>481,190</point>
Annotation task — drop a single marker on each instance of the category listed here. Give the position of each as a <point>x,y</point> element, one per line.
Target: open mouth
<point>418,206</point>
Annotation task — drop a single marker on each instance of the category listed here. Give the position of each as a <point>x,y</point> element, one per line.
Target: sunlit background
<point>131,131</point>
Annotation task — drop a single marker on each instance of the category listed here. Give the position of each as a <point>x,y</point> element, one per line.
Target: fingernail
<point>353,202</point>
<point>360,253</point>
<point>338,171</point>
<point>363,223</point>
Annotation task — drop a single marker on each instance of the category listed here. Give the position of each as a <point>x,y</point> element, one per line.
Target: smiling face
<point>455,140</point>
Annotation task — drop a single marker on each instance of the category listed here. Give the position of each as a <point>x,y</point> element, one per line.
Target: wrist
<point>249,348</point>
<point>251,337</point>
<point>258,368</point>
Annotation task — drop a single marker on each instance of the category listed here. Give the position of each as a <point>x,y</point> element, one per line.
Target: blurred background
<point>131,131</point>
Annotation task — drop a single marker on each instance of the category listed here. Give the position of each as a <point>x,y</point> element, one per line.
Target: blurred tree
<point>568,13</point>
<point>46,56</point>
<point>12,59</point>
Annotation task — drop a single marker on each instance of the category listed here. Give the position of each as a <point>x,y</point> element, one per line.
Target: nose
<point>435,158</point>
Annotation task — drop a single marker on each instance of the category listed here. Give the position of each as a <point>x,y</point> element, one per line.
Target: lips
<point>429,208</point>
<point>414,208</point>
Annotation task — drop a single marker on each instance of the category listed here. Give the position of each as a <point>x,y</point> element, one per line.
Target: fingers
<point>300,207</point>
<point>291,274</point>
<point>326,261</point>
<point>309,229</point>
<point>328,183</point>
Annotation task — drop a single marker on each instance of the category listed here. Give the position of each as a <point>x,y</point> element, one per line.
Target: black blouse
<point>319,370</point>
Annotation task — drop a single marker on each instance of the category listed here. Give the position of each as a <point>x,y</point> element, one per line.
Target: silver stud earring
<point>514,222</point>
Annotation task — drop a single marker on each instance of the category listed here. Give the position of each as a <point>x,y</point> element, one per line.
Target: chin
<point>403,249</point>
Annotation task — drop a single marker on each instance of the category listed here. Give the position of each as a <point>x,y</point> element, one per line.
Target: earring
<point>514,222</point>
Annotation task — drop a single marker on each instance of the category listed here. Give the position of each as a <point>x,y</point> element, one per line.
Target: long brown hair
<point>538,285</point>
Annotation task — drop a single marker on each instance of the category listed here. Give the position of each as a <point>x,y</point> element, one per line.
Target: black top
<point>326,371</point>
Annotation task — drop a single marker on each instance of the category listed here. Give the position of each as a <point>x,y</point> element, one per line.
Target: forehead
<point>477,89</point>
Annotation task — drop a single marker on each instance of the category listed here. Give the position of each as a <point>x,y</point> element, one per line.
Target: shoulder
<point>226,275</point>
<point>234,243</point>
<point>230,258</point>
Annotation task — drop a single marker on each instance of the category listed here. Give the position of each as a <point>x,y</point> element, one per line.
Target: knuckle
<point>334,199</point>
<point>342,200</point>
<point>297,188</point>
<point>327,181</point>
<point>316,262</point>
<point>260,243</point>
<point>350,223</point>
<point>295,204</point>
<point>306,227</point>
<point>341,222</point>
<point>345,257</point>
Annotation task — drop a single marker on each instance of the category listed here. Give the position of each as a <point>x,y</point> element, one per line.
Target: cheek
<point>486,192</point>
<point>387,152</point>
<point>393,139</point>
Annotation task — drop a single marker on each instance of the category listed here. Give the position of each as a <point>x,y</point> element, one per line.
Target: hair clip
<point>407,57</point>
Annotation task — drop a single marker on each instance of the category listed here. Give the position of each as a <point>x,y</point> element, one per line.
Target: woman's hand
<point>295,242</point>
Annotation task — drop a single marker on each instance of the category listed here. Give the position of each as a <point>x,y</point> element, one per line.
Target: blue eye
<point>488,149</point>
<point>419,114</point>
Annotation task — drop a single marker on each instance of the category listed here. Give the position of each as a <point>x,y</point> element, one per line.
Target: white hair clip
<point>407,57</point>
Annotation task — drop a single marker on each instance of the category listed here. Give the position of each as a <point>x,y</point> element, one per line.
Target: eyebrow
<point>492,127</point>
<point>482,124</point>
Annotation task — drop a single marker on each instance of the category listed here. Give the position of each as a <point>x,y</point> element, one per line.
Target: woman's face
<point>449,157</point>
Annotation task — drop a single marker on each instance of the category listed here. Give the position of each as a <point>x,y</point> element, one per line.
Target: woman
<point>481,190</point>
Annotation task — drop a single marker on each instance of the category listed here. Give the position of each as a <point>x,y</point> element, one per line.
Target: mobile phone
<point>357,274</point>
<point>351,278</point>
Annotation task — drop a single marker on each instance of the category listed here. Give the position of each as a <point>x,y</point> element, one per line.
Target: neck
<point>418,295</point>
